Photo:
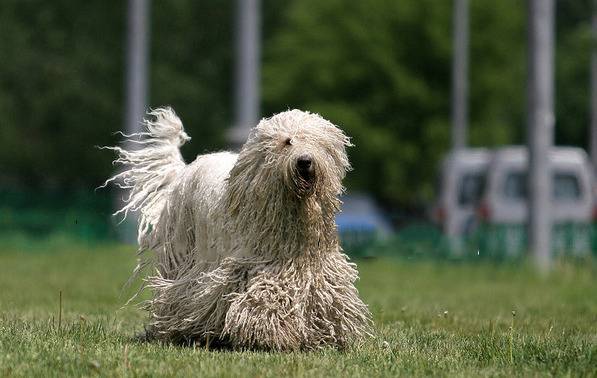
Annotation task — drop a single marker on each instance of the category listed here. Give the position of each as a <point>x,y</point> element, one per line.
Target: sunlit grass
<point>431,319</point>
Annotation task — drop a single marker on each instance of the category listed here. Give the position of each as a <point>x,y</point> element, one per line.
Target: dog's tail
<point>151,168</point>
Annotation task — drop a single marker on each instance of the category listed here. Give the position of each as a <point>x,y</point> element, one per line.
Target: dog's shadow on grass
<point>215,344</point>
<point>212,345</point>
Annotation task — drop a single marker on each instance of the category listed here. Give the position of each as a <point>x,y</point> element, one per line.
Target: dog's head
<point>300,150</point>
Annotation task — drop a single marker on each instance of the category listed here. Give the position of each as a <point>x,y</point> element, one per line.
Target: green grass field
<point>431,319</point>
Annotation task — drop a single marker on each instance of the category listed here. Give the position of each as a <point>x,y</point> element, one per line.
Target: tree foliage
<point>62,83</point>
<point>379,68</point>
<point>60,89</point>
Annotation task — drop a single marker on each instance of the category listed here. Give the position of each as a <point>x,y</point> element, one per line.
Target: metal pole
<point>460,37</point>
<point>136,64</point>
<point>593,128</point>
<point>136,87</point>
<point>540,125</point>
<point>247,71</point>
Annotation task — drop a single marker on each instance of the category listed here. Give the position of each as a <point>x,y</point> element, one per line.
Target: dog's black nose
<point>304,163</point>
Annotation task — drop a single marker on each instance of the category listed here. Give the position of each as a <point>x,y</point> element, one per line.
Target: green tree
<point>191,68</point>
<point>378,68</point>
<point>381,70</point>
<point>573,52</point>
<point>378,71</point>
<point>60,81</point>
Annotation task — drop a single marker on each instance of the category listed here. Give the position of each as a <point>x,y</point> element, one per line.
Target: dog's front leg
<point>266,316</point>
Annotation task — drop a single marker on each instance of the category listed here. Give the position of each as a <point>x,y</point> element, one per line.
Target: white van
<point>503,210</point>
<point>460,184</point>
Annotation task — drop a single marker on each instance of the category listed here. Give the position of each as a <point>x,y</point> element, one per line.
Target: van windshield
<point>471,188</point>
<point>515,186</point>
<point>566,186</point>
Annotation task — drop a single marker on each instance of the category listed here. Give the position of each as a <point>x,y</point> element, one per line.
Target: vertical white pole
<point>541,121</point>
<point>136,64</point>
<point>247,70</point>
<point>136,86</point>
<point>593,127</point>
<point>460,59</point>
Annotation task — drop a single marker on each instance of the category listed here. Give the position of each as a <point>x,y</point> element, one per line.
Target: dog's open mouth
<point>305,182</point>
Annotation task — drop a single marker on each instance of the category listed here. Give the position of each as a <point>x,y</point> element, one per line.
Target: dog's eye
<point>288,142</point>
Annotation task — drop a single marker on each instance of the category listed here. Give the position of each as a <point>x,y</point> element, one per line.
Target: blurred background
<point>387,72</point>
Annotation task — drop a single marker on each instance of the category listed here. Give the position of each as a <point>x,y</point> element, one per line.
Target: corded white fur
<point>245,249</point>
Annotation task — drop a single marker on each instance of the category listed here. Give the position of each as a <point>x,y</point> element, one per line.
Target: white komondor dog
<point>244,247</point>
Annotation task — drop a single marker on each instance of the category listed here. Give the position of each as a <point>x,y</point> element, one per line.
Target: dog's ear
<point>247,169</point>
<point>336,142</point>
